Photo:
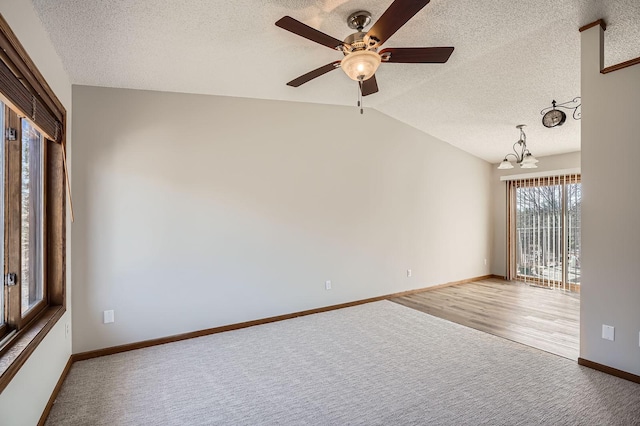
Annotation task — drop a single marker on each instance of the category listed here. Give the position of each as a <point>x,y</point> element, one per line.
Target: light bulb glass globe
<point>506,164</point>
<point>360,65</point>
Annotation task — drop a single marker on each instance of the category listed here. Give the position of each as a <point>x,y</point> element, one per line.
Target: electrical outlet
<point>67,330</point>
<point>108,317</point>
<point>485,262</point>
<point>327,285</point>
<point>408,273</point>
<point>608,332</point>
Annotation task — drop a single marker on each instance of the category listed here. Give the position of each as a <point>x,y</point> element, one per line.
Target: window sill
<point>25,342</point>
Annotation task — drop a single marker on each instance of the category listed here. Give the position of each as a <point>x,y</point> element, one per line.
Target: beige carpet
<point>374,364</point>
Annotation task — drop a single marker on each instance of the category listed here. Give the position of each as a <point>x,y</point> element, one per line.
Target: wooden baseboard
<point>56,390</point>
<point>190,335</point>
<point>609,370</point>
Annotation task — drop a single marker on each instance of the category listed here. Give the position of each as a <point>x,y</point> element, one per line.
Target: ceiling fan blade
<point>369,86</point>
<point>392,19</point>
<point>416,55</point>
<point>303,30</point>
<point>313,74</point>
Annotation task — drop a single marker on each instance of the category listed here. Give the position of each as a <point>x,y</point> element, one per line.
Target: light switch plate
<point>108,317</point>
<point>608,332</point>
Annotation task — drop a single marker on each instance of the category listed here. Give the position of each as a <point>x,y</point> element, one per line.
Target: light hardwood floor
<point>543,318</point>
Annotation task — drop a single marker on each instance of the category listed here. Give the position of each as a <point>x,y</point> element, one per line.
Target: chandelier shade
<point>505,165</point>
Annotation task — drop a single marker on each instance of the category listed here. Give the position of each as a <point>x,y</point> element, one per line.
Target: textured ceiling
<point>511,58</point>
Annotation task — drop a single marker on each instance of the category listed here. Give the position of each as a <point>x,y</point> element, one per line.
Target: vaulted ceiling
<point>511,58</point>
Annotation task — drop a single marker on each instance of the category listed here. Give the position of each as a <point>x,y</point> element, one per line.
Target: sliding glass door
<point>544,231</point>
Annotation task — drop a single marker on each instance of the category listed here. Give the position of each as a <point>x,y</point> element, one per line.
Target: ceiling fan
<point>361,57</point>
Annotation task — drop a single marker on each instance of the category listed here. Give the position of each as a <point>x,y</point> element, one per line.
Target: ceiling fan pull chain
<point>360,99</point>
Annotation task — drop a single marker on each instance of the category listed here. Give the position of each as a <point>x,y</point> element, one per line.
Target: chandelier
<point>522,155</point>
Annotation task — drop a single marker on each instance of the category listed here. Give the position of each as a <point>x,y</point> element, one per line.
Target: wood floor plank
<point>544,318</point>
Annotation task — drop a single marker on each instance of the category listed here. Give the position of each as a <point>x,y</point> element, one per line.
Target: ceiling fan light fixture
<point>361,65</point>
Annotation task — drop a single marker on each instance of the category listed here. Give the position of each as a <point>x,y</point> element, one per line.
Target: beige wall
<point>199,211</point>
<point>549,166</point>
<point>24,399</point>
<point>610,209</point>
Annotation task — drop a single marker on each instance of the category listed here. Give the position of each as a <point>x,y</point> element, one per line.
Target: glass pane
<point>31,217</point>
<point>574,202</point>
<point>538,221</point>
<point>2,126</point>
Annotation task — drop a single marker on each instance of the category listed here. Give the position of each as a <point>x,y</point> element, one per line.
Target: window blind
<point>25,90</point>
<point>544,230</point>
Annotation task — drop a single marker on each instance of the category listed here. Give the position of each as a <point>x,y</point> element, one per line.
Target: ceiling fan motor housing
<point>356,42</point>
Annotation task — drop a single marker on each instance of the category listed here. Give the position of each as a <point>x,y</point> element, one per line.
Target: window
<point>32,206</point>
<point>2,319</point>
<point>22,156</point>
<point>544,231</point>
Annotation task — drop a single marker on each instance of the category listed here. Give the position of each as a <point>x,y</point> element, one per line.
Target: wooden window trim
<point>42,318</point>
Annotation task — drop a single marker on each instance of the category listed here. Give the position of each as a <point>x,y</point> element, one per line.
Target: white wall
<point>547,164</point>
<point>23,400</point>
<point>199,211</point>
<point>610,292</point>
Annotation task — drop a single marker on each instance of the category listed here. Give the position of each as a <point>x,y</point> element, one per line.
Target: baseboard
<point>449,284</point>
<point>609,370</point>
<point>54,394</point>
<point>193,334</point>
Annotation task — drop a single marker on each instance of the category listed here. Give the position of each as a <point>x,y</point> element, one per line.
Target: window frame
<point>12,181</point>
<point>20,337</point>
